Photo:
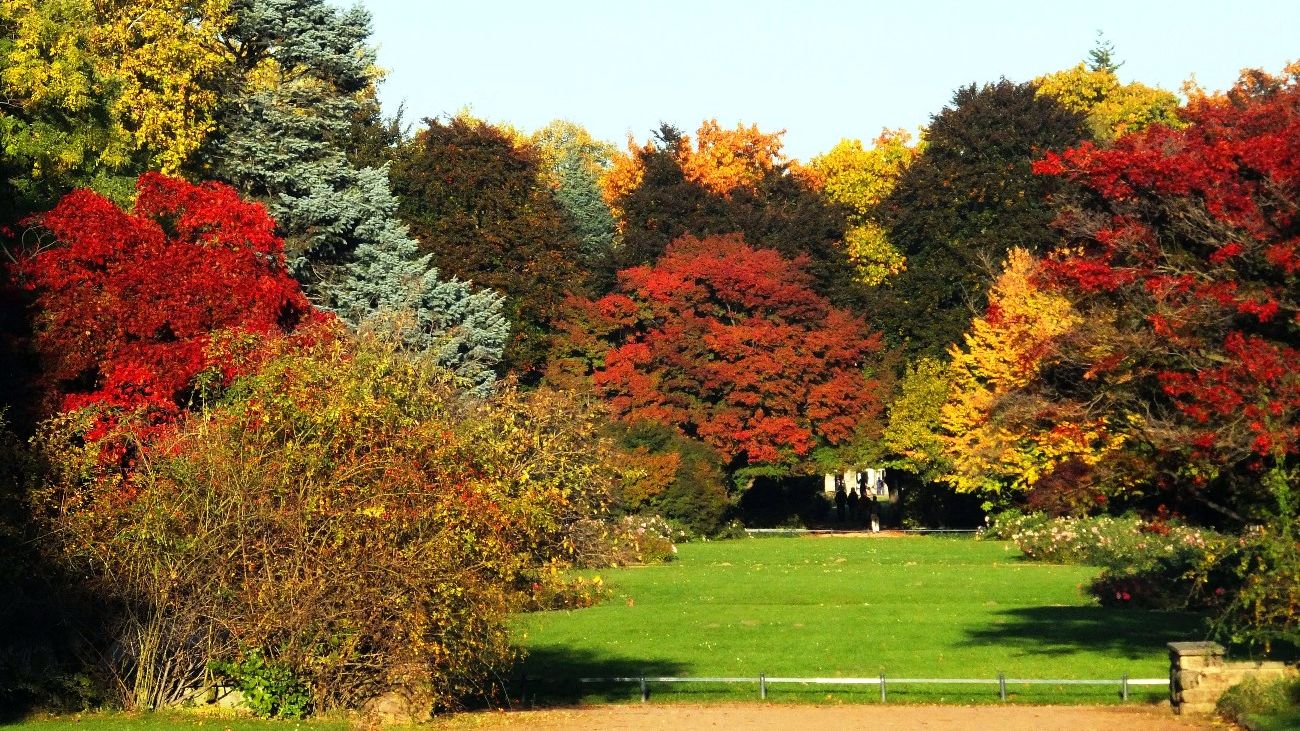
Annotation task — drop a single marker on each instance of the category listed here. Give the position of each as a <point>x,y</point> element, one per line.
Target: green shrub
<point>269,689</point>
<point>1257,581</point>
<point>1256,698</point>
<point>666,474</point>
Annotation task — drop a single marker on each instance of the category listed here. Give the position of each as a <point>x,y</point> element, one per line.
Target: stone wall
<point>1199,673</point>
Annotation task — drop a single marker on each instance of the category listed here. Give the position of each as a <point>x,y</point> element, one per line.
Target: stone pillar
<point>830,484</point>
<point>1194,668</point>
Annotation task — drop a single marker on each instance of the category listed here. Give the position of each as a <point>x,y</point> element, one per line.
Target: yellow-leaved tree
<point>995,433</point>
<point>860,178</point>
<point>912,433</point>
<point>167,59</point>
<point>96,88</point>
<point>1113,108</point>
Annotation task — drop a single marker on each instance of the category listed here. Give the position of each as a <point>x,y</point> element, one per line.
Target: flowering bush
<point>643,539</point>
<point>626,541</point>
<point>1148,564</point>
<point>1116,543</point>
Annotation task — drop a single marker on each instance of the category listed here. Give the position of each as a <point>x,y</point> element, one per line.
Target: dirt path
<point>773,717</point>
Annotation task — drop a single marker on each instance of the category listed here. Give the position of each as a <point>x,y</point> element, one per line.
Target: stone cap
<point>1195,649</point>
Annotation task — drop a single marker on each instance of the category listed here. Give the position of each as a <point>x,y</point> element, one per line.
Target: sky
<point>820,70</point>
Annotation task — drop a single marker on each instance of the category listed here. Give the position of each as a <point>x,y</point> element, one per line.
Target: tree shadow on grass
<point>1130,633</point>
<point>552,677</point>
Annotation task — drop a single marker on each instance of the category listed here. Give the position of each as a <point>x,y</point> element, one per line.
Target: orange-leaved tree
<point>729,345</point>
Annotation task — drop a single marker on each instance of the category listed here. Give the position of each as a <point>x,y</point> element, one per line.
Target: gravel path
<point>774,717</point>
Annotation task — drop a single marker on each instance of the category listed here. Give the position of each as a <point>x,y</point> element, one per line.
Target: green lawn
<point>922,607</point>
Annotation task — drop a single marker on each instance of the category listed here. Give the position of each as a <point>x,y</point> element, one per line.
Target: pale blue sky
<point>821,70</point>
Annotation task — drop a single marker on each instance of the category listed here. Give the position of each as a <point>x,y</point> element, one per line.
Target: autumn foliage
<point>342,512</point>
<point>993,433</point>
<point>724,160</point>
<point>1199,242</point>
<point>129,302</point>
<point>730,345</point>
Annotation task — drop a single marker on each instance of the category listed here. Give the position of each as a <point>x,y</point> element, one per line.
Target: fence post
<point>762,686</point>
<point>645,690</point>
<point>1002,686</point>
<point>1123,687</point>
<point>882,687</point>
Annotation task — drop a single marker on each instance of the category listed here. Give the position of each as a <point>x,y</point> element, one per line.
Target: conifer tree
<point>303,75</point>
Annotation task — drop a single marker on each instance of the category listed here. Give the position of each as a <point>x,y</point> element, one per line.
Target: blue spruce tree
<point>304,71</point>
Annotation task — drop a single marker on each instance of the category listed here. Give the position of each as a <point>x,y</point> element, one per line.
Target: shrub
<point>1128,543</point>
<point>268,689</point>
<point>664,473</point>
<point>346,512</point>
<point>628,540</point>
<point>1257,582</point>
<point>1255,698</point>
<point>1146,564</point>
<point>640,539</point>
<point>559,591</point>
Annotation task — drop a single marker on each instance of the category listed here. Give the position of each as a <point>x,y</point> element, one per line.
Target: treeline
<point>266,350</point>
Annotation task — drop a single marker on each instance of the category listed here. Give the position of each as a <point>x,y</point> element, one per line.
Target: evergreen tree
<point>304,80</point>
<point>572,164</point>
<point>1102,56</point>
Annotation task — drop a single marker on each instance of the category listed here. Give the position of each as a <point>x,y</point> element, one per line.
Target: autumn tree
<point>859,179</point>
<point>98,92</point>
<point>992,440</point>
<point>1112,108</point>
<point>731,346</point>
<point>128,303</point>
<point>726,181</point>
<point>965,201</point>
<point>474,200</point>
<point>724,160</point>
<point>1188,251</point>
<point>912,436</point>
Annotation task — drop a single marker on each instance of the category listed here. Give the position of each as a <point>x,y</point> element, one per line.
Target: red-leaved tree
<point>1187,265</point>
<point>128,303</point>
<point>730,345</point>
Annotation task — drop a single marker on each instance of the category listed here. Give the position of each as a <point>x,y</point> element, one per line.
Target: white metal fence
<point>1121,684</point>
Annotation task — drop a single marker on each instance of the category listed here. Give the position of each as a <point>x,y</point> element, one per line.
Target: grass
<point>849,607</point>
<point>922,607</point>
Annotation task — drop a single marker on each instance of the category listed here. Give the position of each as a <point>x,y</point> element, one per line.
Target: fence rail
<point>803,531</point>
<point>1123,683</point>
